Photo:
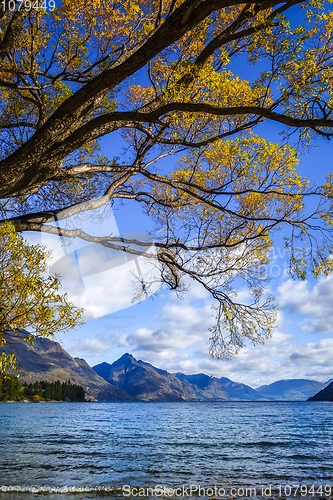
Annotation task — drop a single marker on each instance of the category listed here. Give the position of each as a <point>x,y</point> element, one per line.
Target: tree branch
<point>238,110</point>
<point>12,31</point>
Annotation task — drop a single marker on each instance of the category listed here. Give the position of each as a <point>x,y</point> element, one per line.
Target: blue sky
<point>174,334</point>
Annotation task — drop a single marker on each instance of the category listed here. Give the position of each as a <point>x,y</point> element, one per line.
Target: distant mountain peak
<point>127,355</point>
<point>125,360</point>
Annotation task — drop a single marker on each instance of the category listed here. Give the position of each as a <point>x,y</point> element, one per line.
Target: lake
<point>62,451</point>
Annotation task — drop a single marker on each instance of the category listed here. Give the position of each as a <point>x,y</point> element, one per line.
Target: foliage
<point>169,75</point>
<point>28,298</point>
<point>10,388</point>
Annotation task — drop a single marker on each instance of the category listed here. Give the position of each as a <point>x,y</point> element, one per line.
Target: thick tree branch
<point>12,31</point>
<point>238,110</point>
<point>63,121</point>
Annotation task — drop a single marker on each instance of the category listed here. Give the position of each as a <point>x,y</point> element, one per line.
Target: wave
<point>56,489</point>
<point>262,443</point>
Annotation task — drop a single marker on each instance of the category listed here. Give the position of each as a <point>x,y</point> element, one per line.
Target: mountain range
<point>129,379</point>
<point>145,382</point>
<point>292,390</point>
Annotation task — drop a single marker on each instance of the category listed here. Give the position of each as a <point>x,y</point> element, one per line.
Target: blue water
<point>87,450</point>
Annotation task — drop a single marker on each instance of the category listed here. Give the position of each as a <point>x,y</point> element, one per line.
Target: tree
<point>29,299</point>
<point>52,390</point>
<point>10,388</point>
<point>67,80</point>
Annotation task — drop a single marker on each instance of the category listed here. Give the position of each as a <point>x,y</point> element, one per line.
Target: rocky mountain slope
<point>145,382</point>
<point>325,394</point>
<point>47,360</point>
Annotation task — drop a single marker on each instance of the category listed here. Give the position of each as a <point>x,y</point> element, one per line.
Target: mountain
<point>47,360</point>
<point>291,390</point>
<point>222,388</point>
<point>145,382</point>
<point>328,382</point>
<point>129,379</point>
<point>325,394</point>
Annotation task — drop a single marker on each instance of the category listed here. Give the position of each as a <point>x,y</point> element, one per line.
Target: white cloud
<point>178,326</point>
<point>278,359</point>
<point>91,347</point>
<point>320,354</point>
<point>177,340</point>
<point>314,304</point>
